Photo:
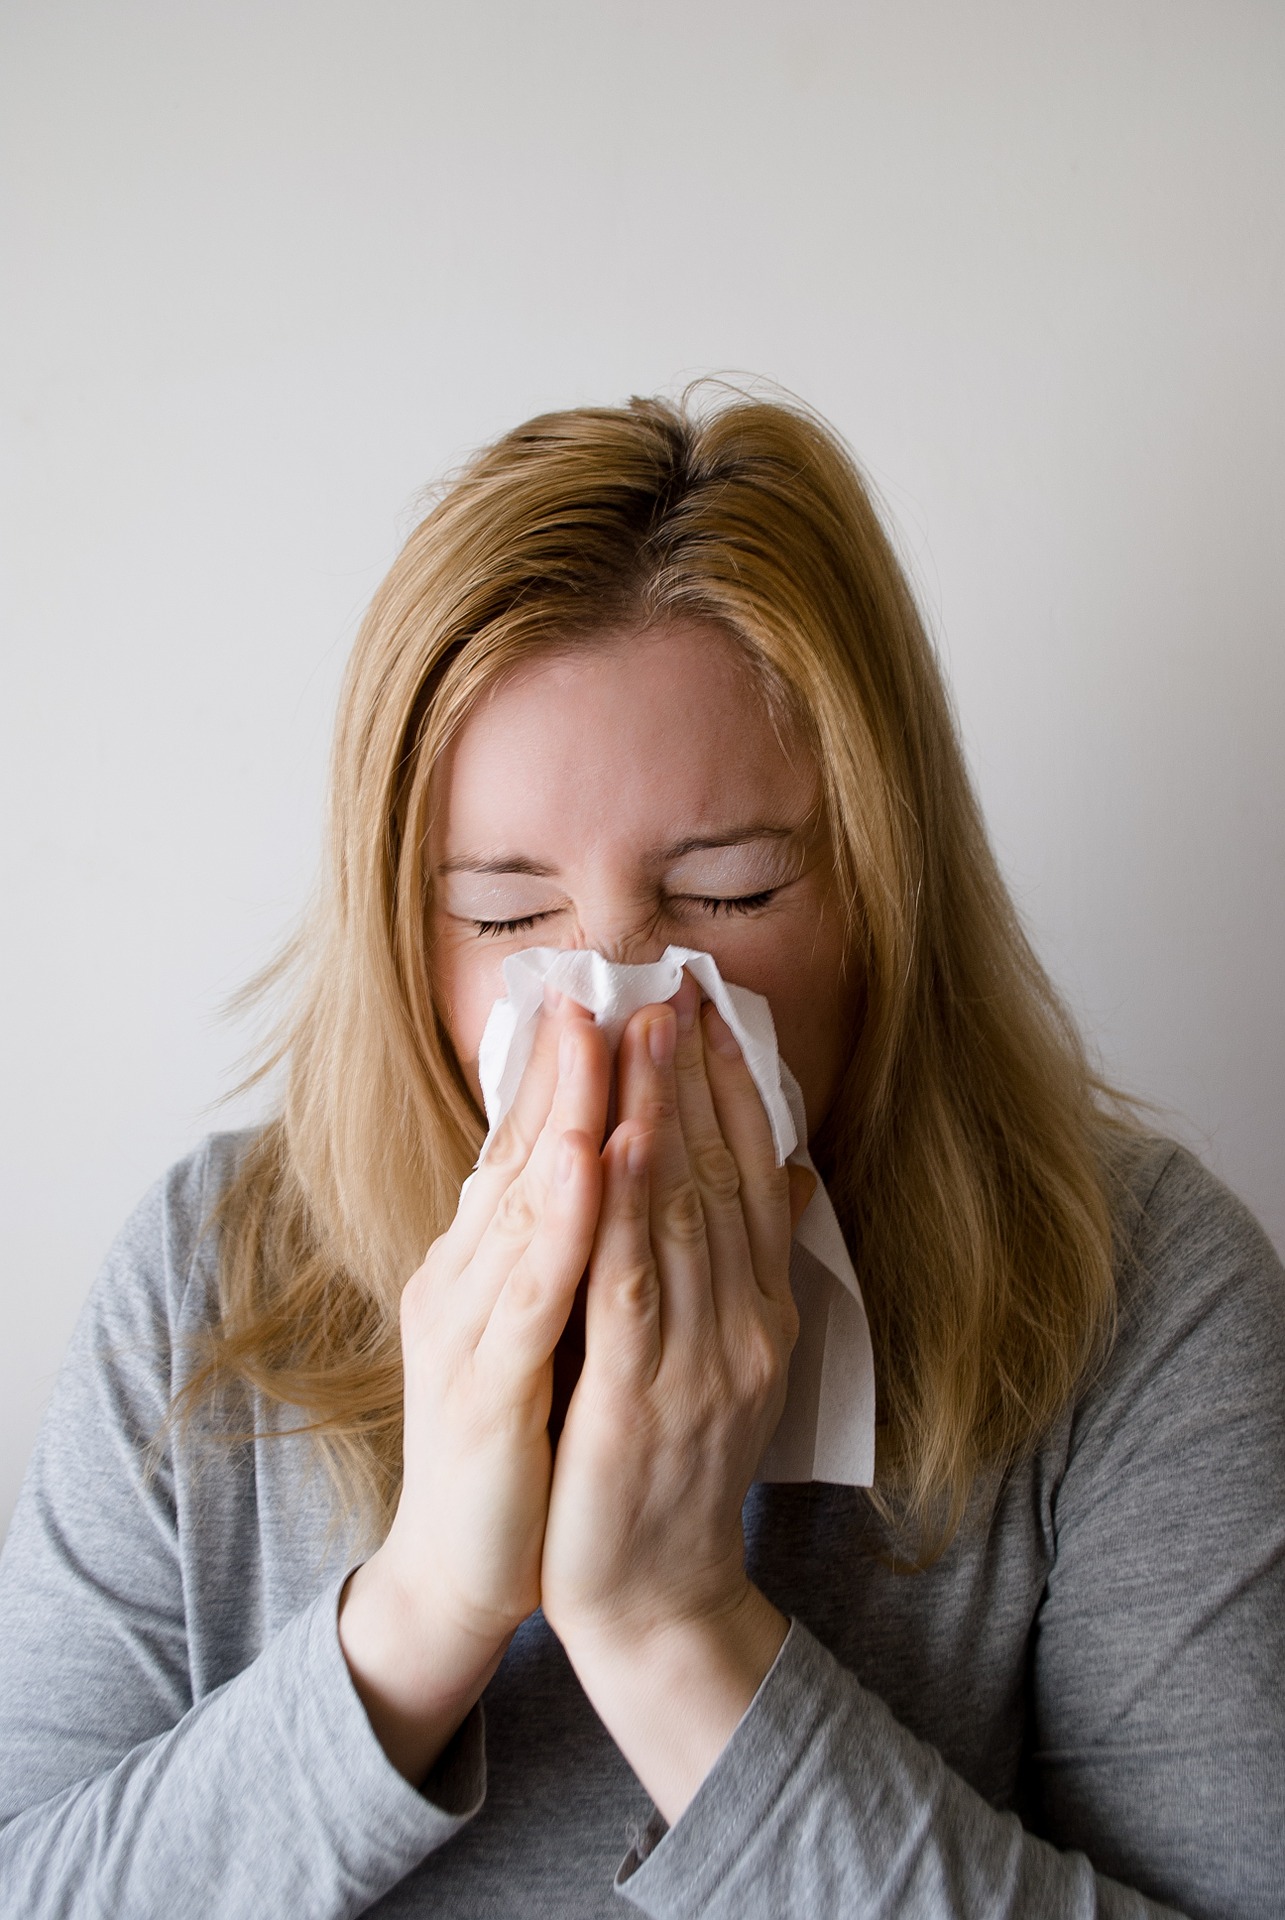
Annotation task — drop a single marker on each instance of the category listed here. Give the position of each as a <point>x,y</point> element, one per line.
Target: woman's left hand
<point>688,1332</point>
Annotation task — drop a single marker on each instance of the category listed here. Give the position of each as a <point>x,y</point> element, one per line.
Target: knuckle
<point>776,1184</point>
<point>508,1152</point>
<point>515,1217</point>
<point>526,1291</point>
<point>660,1111</point>
<point>764,1366</point>
<point>689,1060</point>
<point>635,1283</point>
<point>410,1308</point>
<point>717,1172</point>
<point>683,1215</point>
<point>417,1294</point>
<point>426,1271</point>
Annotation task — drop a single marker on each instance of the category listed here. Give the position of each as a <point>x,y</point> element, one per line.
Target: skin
<point>594,766</point>
<point>625,797</point>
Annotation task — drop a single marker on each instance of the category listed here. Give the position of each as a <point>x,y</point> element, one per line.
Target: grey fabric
<point>1090,1683</point>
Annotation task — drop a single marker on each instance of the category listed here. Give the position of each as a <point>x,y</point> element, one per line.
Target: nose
<point>627,936</point>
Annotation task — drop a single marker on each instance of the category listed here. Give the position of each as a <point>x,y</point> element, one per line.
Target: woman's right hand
<point>425,1622</point>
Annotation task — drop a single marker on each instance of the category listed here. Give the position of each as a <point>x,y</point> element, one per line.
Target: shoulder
<point>160,1272</point>
<point>1198,1359</point>
<point>1173,1213</point>
<point>1194,1266</point>
<point>96,1451</point>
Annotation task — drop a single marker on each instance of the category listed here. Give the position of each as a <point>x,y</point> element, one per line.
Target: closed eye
<point>714,904</point>
<point>520,925</point>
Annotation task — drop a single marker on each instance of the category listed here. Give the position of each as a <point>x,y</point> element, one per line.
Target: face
<point>629,796</point>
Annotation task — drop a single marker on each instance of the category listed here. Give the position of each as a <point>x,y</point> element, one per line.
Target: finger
<point>580,1097</point>
<point>765,1187</point>
<point>579,1106</point>
<point>543,1098</point>
<point>622,1304</point>
<point>712,1163</point>
<point>531,1307</point>
<point>506,1149</point>
<point>649,1097</point>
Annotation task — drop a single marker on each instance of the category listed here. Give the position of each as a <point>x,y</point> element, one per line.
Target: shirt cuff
<point>676,1871</point>
<point>375,1811</point>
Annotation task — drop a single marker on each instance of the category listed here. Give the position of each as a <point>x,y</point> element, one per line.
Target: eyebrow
<point>697,843</point>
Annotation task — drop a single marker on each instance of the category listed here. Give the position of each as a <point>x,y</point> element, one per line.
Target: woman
<point>649,676</point>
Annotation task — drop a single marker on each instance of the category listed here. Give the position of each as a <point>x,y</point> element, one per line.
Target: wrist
<point>672,1694</point>
<point>416,1676</point>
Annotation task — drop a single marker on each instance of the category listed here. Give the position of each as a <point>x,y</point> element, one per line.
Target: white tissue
<point>827,1428</point>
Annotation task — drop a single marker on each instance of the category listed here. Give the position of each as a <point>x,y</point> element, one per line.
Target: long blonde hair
<point>964,1151</point>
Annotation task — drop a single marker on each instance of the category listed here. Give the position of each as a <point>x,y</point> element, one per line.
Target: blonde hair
<point>964,1150</point>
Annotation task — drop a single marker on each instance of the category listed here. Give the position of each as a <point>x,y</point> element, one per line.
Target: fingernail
<point>566,1159</point>
<point>721,1037</point>
<point>685,1003</point>
<point>662,1037</point>
<point>552,998</point>
<point>636,1154</point>
<point>567,1052</point>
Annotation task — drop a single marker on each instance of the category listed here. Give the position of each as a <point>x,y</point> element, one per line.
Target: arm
<point>823,1804</point>
<point>805,1795</point>
<point>1160,1658</point>
<point>120,1793</point>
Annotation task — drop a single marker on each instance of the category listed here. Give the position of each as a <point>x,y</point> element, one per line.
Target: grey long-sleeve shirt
<point>1080,1710</point>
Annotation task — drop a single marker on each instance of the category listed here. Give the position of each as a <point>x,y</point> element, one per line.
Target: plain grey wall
<point>273,267</point>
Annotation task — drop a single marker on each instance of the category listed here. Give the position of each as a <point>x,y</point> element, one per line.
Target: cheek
<point>801,977</point>
<point>467,980</point>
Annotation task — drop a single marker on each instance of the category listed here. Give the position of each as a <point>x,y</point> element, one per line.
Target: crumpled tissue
<point>827,1429</point>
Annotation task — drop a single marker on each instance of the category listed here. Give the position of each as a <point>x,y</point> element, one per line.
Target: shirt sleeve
<point>1157,1764</point>
<point>120,1793</point>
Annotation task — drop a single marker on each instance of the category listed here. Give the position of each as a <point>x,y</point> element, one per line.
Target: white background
<point>272,267</point>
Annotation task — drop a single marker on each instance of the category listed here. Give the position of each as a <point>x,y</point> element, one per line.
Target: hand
<point>689,1327</point>
<point>424,1623</point>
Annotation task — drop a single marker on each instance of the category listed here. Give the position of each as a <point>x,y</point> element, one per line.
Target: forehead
<point>650,736</point>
